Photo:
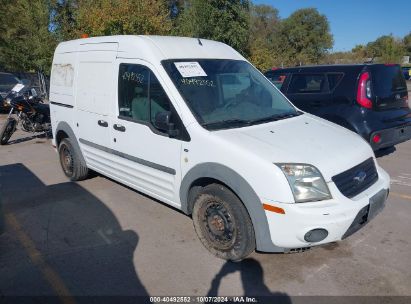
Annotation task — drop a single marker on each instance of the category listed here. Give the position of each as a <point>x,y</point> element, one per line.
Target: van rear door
<point>389,86</point>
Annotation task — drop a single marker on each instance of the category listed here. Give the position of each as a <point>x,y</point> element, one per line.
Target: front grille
<point>348,182</point>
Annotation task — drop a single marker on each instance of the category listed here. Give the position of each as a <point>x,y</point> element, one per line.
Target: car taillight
<point>376,138</point>
<point>364,91</point>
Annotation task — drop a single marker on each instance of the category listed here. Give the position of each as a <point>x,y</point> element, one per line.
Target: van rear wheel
<point>70,161</point>
<point>222,223</point>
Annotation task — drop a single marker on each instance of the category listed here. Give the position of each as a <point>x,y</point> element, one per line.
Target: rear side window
<point>388,79</point>
<point>307,83</point>
<point>277,79</point>
<point>334,79</point>
<point>140,95</point>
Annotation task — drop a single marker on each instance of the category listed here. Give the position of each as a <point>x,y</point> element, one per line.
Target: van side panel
<point>62,78</point>
<point>62,90</point>
<point>95,83</point>
<point>94,98</point>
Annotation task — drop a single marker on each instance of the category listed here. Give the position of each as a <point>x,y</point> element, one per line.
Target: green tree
<point>63,19</point>
<point>386,49</point>
<point>26,44</point>
<point>222,20</point>
<point>360,50</point>
<point>407,43</point>
<point>304,37</point>
<point>264,22</point>
<point>120,17</point>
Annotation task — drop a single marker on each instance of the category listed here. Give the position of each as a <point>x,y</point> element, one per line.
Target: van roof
<point>153,47</point>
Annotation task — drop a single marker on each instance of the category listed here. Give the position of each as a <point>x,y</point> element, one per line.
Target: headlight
<point>306,182</point>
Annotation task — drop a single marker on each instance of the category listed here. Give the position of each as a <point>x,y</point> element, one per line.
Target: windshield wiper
<point>226,123</point>
<point>275,117</point>
<point>222,124</point>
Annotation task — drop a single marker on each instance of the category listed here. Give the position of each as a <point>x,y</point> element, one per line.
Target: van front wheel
<point>222,223</point>
<point>70,161</point>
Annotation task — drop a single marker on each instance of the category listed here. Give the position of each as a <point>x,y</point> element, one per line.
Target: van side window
<point>140,95</point>
<point>159,99</point>
<point>307,83</point>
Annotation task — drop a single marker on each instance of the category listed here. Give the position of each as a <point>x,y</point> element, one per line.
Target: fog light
<point>315,235</point>
<point>376,138</point>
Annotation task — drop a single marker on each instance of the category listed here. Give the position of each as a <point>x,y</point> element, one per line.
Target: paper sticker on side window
<point>190,69</point>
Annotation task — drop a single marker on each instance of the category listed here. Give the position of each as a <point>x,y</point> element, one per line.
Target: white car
<point>192,123</point>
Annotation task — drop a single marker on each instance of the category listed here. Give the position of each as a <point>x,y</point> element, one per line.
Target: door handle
<point>119,127</point>
<point>103,123</point>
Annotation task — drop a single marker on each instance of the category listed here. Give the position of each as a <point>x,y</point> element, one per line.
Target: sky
<point>354,22</point>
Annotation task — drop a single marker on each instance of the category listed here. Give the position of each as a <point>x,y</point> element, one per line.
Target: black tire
<point>222,223</point>
<point>7,130</point>
<point>70,161</point>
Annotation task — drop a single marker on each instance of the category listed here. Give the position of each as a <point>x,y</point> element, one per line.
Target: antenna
<point>199,41</point>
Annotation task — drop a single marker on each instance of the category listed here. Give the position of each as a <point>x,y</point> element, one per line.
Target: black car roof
<point>325,68</point>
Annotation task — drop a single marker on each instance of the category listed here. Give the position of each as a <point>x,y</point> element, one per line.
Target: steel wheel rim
<point>66,159</point>
<point>218,225</point>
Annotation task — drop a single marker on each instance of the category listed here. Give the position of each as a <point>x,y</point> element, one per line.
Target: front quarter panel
<point>247,175</point>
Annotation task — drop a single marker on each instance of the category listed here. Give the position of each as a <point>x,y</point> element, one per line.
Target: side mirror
<point>162,122</point>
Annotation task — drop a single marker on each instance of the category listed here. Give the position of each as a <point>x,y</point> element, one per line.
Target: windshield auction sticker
<point>190,69</point>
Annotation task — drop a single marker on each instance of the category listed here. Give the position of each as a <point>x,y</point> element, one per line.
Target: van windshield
<point>227,93</point>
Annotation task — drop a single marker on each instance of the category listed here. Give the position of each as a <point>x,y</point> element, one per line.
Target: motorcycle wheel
<point>25,126</point>
<point>7,130</point>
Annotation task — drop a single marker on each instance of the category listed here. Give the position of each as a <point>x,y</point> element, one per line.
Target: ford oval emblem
<point>360,177</point>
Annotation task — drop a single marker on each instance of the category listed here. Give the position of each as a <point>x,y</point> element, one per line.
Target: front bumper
<point>391,137</point>
<point>339,216</point>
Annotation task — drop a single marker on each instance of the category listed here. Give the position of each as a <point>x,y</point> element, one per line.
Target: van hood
<point>303,139</point>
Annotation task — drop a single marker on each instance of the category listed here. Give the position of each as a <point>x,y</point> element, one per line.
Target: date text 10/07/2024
<point>203,300</point>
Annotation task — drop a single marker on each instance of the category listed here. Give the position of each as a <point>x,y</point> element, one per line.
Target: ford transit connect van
<point>191,123</point>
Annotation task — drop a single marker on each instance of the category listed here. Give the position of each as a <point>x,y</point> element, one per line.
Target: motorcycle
<point>28,110</point>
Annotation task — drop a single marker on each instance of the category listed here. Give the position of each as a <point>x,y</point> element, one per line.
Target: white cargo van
<point>190,122</point>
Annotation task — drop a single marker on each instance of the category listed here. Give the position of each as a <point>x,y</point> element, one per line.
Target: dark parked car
<point>369,99</point>
<point>407,72</point>
<point>2,224</point>
<point>7,82</point>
